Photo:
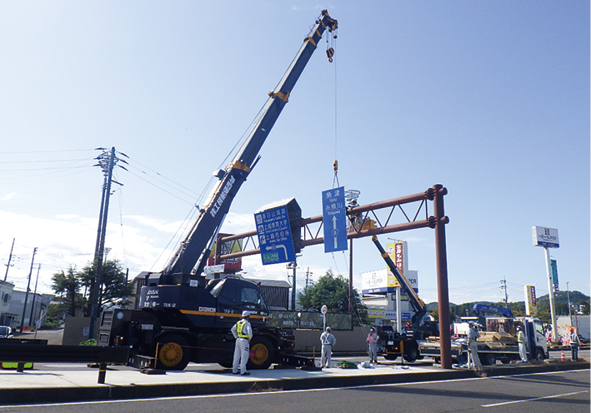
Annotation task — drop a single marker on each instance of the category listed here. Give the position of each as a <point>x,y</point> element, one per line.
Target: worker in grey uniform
<point>328,341</point>
<point>473,359</point>
<point>521,344</point>
<point>242,332</point>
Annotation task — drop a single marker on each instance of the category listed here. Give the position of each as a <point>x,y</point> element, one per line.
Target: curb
<point>114,392</point>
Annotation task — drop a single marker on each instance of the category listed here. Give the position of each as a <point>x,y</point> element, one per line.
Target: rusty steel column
<point>442,287</point>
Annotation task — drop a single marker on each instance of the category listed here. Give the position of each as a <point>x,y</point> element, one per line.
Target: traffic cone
<point>562,356</point>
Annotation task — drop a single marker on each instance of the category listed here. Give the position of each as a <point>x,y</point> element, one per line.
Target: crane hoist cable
<point>330,46</point>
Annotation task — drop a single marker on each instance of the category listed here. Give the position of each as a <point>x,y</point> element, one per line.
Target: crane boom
<point>193,252</point>
<point>417,304</point>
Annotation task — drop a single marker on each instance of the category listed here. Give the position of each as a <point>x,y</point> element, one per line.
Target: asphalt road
<point>542,393</point>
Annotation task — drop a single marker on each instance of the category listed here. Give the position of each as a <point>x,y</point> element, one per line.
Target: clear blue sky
<point>488,98</point>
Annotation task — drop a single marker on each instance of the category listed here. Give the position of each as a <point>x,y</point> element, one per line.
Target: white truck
<point>497,342</point>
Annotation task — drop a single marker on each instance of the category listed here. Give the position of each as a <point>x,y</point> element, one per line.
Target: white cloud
<point>69,240</point>
<point>8,197</point>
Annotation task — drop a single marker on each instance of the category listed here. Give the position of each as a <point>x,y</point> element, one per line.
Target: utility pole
<point>504,288</point>
<point>106,162</point>
<point>34,296</point>
<point>570,317</point>
<point>9,259</point>
<point>27,291</point>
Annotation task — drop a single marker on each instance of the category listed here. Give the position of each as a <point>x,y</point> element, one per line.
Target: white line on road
<point>553,396</point>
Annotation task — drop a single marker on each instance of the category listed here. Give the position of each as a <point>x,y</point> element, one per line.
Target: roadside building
<point>7,317</point>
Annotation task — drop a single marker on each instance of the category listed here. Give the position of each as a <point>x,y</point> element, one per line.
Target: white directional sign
<point>334,219</point>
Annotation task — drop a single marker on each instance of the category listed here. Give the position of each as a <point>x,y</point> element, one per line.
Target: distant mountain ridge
<point>560,297</point>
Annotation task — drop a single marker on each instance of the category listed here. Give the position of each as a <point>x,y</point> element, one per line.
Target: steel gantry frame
<point>365,222</point>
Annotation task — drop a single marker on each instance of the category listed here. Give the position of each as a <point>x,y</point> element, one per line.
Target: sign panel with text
<point>334,219</point>
<point>274,233</point>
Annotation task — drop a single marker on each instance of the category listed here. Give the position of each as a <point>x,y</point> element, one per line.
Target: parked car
<point>5,332</point>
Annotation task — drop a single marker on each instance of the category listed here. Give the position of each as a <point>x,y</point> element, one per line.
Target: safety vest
<point>239,326</point>
<point>520,338</point>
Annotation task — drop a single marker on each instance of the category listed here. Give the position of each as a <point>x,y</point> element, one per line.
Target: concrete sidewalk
<point>53,383</point>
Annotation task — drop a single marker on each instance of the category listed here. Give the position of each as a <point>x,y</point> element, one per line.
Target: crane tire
<point>411,354</point>
<point>261,353</point>
<point>173,352</point>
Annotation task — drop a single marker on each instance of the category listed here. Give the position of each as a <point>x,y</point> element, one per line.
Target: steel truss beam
<point>363,221</point>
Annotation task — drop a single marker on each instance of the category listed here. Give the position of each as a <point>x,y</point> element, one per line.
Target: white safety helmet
<point>245,314</point>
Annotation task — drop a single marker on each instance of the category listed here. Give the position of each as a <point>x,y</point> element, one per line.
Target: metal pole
<point>27,291</point>
<point>570,317</point>
<point>398,312</point>
<point>34,296</point>
<point>293,288</point>
<point>351,276</point>
<point>551,294</point>
<point>9,259</point>
<point>442,285</point>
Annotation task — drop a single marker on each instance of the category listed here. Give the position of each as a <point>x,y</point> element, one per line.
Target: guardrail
<point>27,352</point>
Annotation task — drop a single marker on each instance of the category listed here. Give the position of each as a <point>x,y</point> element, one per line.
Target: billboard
<point>531,306</point>
<point>229,264</point>
<point>545,237</point>
<point>397,252</point>
<point>383,281</point>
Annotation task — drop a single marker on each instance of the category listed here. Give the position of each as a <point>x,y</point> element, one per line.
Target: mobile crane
<point>180,319</point>
<point>392,344</point>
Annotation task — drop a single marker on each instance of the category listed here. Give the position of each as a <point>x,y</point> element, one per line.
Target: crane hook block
<point>335,165</point>
<point>330,54</point>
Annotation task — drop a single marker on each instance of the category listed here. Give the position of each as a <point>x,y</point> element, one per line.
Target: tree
<point>114,285</point>
<point>332,291</point>
<point>67,285</point>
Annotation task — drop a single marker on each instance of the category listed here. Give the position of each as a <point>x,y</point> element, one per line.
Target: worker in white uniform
<point>473,358</point>
<point>242,332</point>
<point>328,341</point>
<point>521,344</point>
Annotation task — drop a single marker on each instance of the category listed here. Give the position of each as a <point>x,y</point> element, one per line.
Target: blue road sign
<point>274,235</point>
<point>334,219</point>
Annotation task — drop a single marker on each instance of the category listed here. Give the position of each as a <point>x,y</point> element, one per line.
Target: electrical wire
<point>188,190</point>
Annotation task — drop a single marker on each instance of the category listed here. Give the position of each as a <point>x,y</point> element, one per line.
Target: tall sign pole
<point>548,238</point>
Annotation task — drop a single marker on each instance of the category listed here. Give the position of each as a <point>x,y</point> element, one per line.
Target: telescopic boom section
<point>194,250</point>
<point>417,304</point>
